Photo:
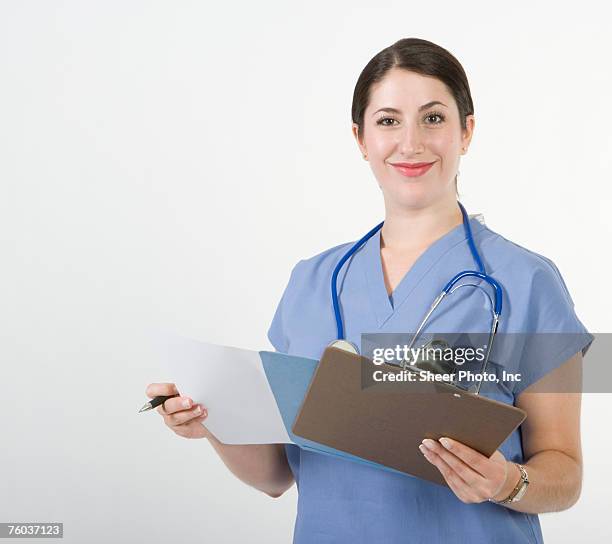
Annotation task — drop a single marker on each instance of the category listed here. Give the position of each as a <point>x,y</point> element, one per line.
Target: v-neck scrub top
<point>342,501</point>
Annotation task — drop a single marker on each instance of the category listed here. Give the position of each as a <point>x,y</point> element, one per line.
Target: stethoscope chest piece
<point>345,345</point>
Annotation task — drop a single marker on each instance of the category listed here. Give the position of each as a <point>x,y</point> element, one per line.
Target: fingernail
<point>427,443</point>
<point>423,449</point>
<point>446,443</point>
<point>186,403</point>
<point>198,410</point>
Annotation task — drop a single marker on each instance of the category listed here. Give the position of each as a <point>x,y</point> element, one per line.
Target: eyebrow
<point>423,107</point>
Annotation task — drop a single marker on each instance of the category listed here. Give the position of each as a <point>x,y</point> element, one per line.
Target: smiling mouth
<point>412,164</point>
<point>413,170</point>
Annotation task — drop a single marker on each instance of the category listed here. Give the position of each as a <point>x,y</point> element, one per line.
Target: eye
<point>435,114</point>
<point>382,120</point>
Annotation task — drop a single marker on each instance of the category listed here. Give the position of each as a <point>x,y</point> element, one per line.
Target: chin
<point>411,195</point>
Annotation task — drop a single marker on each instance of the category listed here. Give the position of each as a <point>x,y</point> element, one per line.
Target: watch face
<point>521,492</point>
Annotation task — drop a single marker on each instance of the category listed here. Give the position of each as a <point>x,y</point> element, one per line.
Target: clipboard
<point>386,426</point>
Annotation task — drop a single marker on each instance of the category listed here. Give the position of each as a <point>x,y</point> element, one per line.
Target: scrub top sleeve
<point>554,331</point>
<point>276,333</point>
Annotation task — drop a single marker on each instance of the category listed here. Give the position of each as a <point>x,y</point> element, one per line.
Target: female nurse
<point>413,119</point>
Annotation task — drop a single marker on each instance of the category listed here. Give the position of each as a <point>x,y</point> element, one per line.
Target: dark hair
<point>422,57</point>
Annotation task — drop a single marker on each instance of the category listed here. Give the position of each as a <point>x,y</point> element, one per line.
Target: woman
<point>412,120</point>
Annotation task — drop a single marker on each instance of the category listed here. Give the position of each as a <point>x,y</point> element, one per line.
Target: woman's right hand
<point>180,413</point>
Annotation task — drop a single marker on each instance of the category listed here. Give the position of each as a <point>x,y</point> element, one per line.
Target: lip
<point>412,170</point>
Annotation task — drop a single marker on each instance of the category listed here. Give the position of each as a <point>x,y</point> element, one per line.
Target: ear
<point>467,134</point>
<point>362,147</point>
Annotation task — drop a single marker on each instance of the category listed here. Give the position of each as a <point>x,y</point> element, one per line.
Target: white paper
<point>230,382</point>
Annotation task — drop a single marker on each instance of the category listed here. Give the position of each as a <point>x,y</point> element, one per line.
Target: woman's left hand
<point>472,476</point>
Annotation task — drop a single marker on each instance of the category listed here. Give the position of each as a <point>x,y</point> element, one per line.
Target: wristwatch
<point>518,492</point>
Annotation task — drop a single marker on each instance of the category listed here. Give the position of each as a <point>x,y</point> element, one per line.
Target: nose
<point>410,141</point>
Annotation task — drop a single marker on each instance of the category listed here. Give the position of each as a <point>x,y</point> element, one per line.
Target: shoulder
<point>536,298</point>
<point>299,319</point>
<point>506,251</point>
<point>508,257</point>
<point>322,263</point>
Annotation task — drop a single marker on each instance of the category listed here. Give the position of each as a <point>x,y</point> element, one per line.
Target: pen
<point>155,402</point>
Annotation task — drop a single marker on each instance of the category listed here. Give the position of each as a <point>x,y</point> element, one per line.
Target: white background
<point>169,162</point>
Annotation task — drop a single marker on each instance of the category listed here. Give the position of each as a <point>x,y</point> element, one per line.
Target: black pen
<point>155,403</point>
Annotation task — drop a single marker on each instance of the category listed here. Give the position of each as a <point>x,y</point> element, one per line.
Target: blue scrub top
<point>344,501</point>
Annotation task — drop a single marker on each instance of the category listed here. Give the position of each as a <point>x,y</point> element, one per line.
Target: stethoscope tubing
<point>479,273</point>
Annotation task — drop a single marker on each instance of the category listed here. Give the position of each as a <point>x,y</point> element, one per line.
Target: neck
<point>410,230</point>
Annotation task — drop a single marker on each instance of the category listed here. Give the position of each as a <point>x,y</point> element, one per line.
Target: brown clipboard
<point>387,426</point>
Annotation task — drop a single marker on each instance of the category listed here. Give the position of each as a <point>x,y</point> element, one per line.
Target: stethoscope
<point>481,273</point>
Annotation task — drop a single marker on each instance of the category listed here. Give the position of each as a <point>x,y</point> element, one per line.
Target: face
<point>401,125</point>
